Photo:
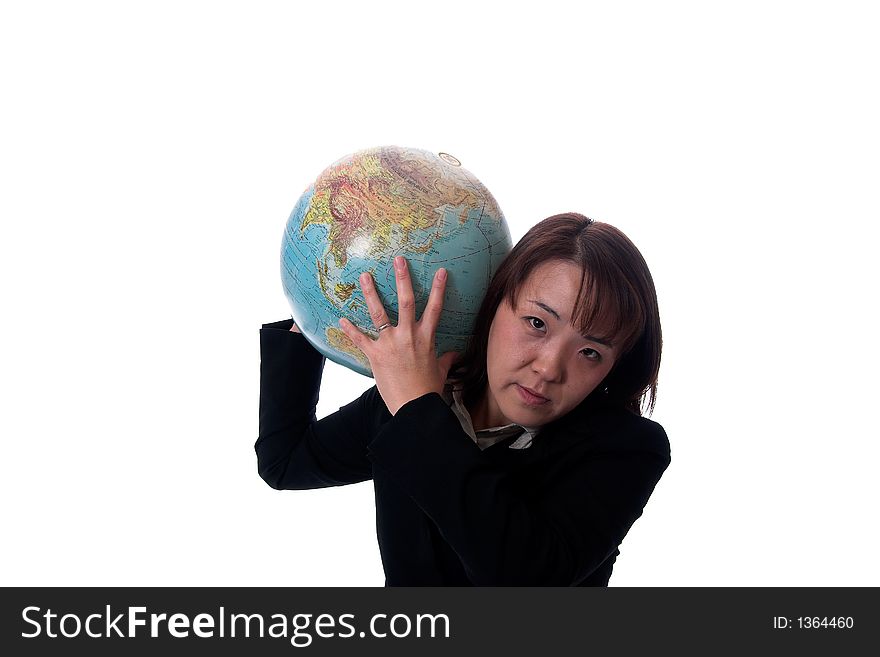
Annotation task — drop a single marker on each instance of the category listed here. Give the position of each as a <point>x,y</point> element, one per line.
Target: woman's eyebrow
<point>591,338</point>
<point>545,307</point>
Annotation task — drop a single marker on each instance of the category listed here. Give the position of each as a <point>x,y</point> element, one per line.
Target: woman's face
<point>534,346</point>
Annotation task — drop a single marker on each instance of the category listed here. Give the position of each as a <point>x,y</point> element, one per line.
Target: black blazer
<point>552,514</point>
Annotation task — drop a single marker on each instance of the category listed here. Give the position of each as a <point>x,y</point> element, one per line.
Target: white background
<point>150,154</point>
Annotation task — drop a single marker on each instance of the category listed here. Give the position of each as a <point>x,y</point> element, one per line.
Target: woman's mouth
<point>530,398</point>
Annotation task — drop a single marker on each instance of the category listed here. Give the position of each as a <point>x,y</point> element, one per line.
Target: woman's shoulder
<point>617,429</point>
<point>649,434</point>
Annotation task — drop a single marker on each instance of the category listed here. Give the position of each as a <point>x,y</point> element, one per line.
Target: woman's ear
<point>603,386</point>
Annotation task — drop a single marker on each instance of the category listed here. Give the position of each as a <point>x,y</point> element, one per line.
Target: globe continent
<point>373,205</point>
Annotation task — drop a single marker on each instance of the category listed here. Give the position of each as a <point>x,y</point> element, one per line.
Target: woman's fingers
<point>434,307</point>
<point>374,303</point>
<point>406,303</point>
<point>358,338</point>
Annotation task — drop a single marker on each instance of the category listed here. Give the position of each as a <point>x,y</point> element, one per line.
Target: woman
<point>528,462</point>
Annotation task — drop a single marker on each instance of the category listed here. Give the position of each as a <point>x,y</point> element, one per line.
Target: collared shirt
<point>487,437</point>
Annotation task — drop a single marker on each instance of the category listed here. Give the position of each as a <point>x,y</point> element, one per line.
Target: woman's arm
<point>502,538</point>
<point>294,449</point>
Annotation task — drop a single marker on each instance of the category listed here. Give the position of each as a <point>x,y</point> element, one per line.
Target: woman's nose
<point>548,364</point>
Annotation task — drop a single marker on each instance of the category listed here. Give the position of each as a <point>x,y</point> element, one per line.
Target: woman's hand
<point>403,358</point>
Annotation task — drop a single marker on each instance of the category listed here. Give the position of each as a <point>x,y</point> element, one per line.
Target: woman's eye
<point>532,320</point>
<point>592,354</point>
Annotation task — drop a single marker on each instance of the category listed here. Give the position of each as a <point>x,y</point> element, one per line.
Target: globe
<point>365,209</point>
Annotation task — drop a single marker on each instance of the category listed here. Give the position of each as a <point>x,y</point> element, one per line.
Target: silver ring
<point>384,326</point>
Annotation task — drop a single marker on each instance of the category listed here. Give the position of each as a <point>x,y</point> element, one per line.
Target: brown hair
<point>616,298</point>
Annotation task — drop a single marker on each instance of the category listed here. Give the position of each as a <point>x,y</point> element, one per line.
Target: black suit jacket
<point>448,513</point>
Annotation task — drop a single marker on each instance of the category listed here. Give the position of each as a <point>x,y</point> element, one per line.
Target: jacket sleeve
<point>557,538</point>
<point>295,450</point>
